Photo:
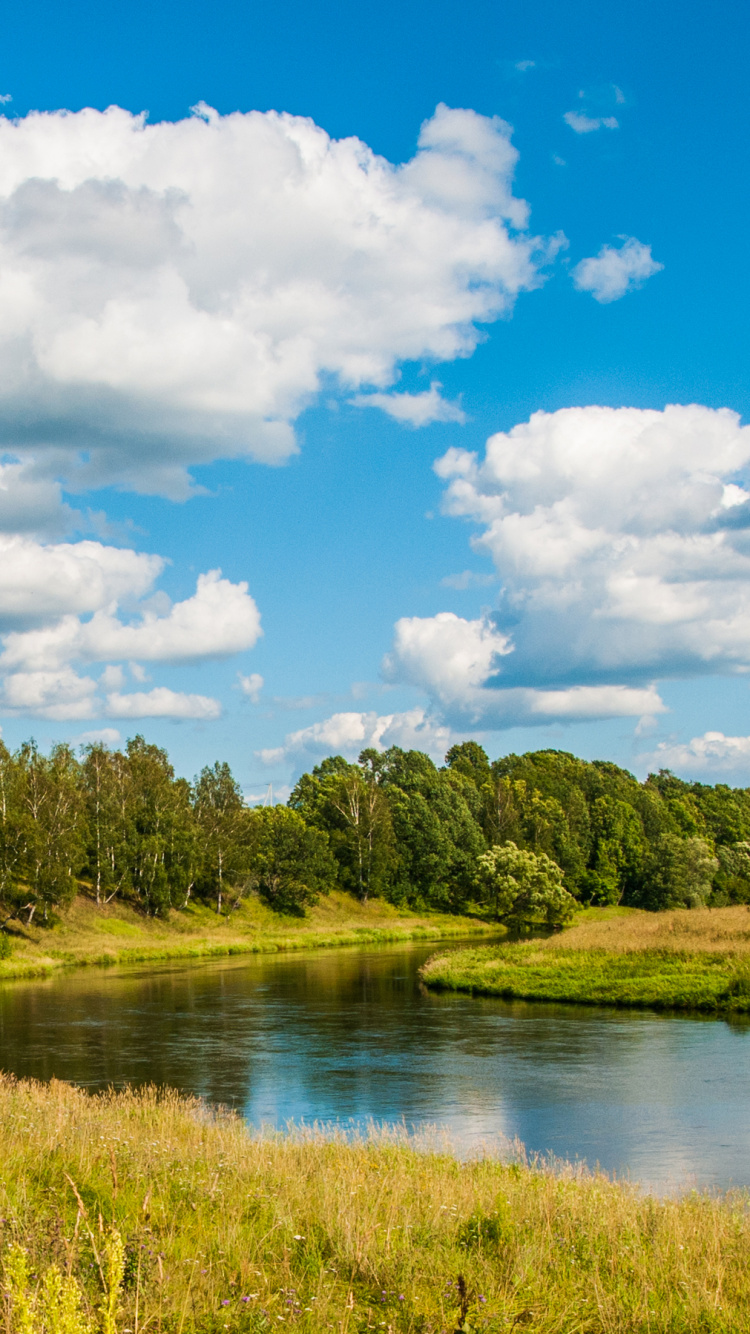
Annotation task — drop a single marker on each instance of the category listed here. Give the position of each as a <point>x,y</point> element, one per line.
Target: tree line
<point>542,829</point>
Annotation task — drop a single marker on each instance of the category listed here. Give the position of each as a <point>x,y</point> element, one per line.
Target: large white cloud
<point>458,663</point>
<point>349,733</point>
<point>621,538</point>
<point>220,619</point>
<point>39,582</point>
<point>173,293</point>
<point>89,603</point>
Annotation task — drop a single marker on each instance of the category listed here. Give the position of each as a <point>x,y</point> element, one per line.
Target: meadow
<point>685,959</point>
<point>163,1215</point>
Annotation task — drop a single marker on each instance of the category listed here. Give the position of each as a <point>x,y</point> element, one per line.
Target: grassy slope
<point>117,934</point>
<point>226,1231</point>
<point>697,959</point>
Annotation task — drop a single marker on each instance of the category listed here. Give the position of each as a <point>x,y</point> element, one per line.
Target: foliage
<point>522,888</point>
<point>221,818</point>
<point>56,1304</point>
<point>290,861</point>
<point>226,1229</point>
<point>393,825</point>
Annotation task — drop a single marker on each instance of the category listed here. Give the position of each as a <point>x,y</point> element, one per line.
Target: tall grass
<point>658,979</point>
<point>225,1230</point>
<point>686,959</point>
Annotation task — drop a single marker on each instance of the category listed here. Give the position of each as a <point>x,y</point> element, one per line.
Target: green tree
<point>163,846</point>
<point>680,874</point>
<point>348,803</point>
<point>13,824</point>
<point>437,837</point>
<point>290,863</point>
<point>220,815</point>
<point>50,810</point>
<point>523,888</point>
<point>732,881</point>
<point>108,811</point>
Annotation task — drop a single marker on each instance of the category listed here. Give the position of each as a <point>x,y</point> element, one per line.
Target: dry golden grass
<point>685,930</point>
<point>229,1231</point>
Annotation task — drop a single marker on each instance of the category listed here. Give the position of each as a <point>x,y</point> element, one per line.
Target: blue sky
<point>244,343</point>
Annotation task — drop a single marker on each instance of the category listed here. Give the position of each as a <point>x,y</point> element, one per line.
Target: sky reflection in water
<point>350,1034</point>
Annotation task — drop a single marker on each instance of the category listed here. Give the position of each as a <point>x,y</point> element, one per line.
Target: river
<point>349,1035</point>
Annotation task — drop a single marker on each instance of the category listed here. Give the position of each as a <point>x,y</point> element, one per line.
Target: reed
<point>226,1230</point>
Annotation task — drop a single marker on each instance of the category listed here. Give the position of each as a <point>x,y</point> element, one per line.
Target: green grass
<point>116,933</point>
<point>229,1231</point>
<point>658,979</point>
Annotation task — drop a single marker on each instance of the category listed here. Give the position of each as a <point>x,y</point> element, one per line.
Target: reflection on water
<point>350,1034</point>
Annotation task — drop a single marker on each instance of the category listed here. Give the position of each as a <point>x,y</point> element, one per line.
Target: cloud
<point>415,409</point>
<point>349,733</point>
<point>175,293</point>
<point>621,539</point>
<point>66,605</point>
<point>523,66</point>
<point>616,271</point>
<point>583,124</point>
<point>712,753</point>
<point>162,703</point>
<point>458,663</point>
<point>251,685</point>
<point>220,619</point>
<point>39,582</point>
<point>60,695</point>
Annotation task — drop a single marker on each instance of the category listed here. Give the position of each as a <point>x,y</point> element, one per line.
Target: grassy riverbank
<point>226,1231</point>
<point>698,959</point>
<point>116,933</point>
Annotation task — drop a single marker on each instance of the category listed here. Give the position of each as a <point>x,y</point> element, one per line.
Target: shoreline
<point>226,1229</point>
<point>41,953</point>
<point>684,960</point>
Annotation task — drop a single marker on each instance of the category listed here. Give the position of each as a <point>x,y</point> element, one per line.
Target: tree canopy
<point>522,836</point>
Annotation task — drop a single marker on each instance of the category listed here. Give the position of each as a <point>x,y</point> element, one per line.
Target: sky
<point>374,377</point>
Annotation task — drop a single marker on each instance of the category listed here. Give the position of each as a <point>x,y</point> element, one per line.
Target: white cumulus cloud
<point>63,606</point>
<point>459,664</point>
<point>174,293</point>
<point>621,540</point>
<point>415,409</point>
<point>349,733</point>
<point>616,270</point>
<point>712,753</point>
<point>162,703</point>
<point>39,582</point>
<point>251,685</point>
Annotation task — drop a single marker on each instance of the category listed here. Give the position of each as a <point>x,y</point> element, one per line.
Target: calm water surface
<point>343,1035</point>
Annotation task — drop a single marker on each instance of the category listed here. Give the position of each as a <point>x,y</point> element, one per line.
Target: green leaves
<point>523,888</point>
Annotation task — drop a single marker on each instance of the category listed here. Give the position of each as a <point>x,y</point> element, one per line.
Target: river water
<point>349,1035</point>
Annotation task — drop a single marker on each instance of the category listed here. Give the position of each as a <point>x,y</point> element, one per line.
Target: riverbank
<point>224,1230</point>
<point>115,933</point>
<point>687,959</point>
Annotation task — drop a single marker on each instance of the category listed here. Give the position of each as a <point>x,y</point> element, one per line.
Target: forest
<point>115,823</point>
